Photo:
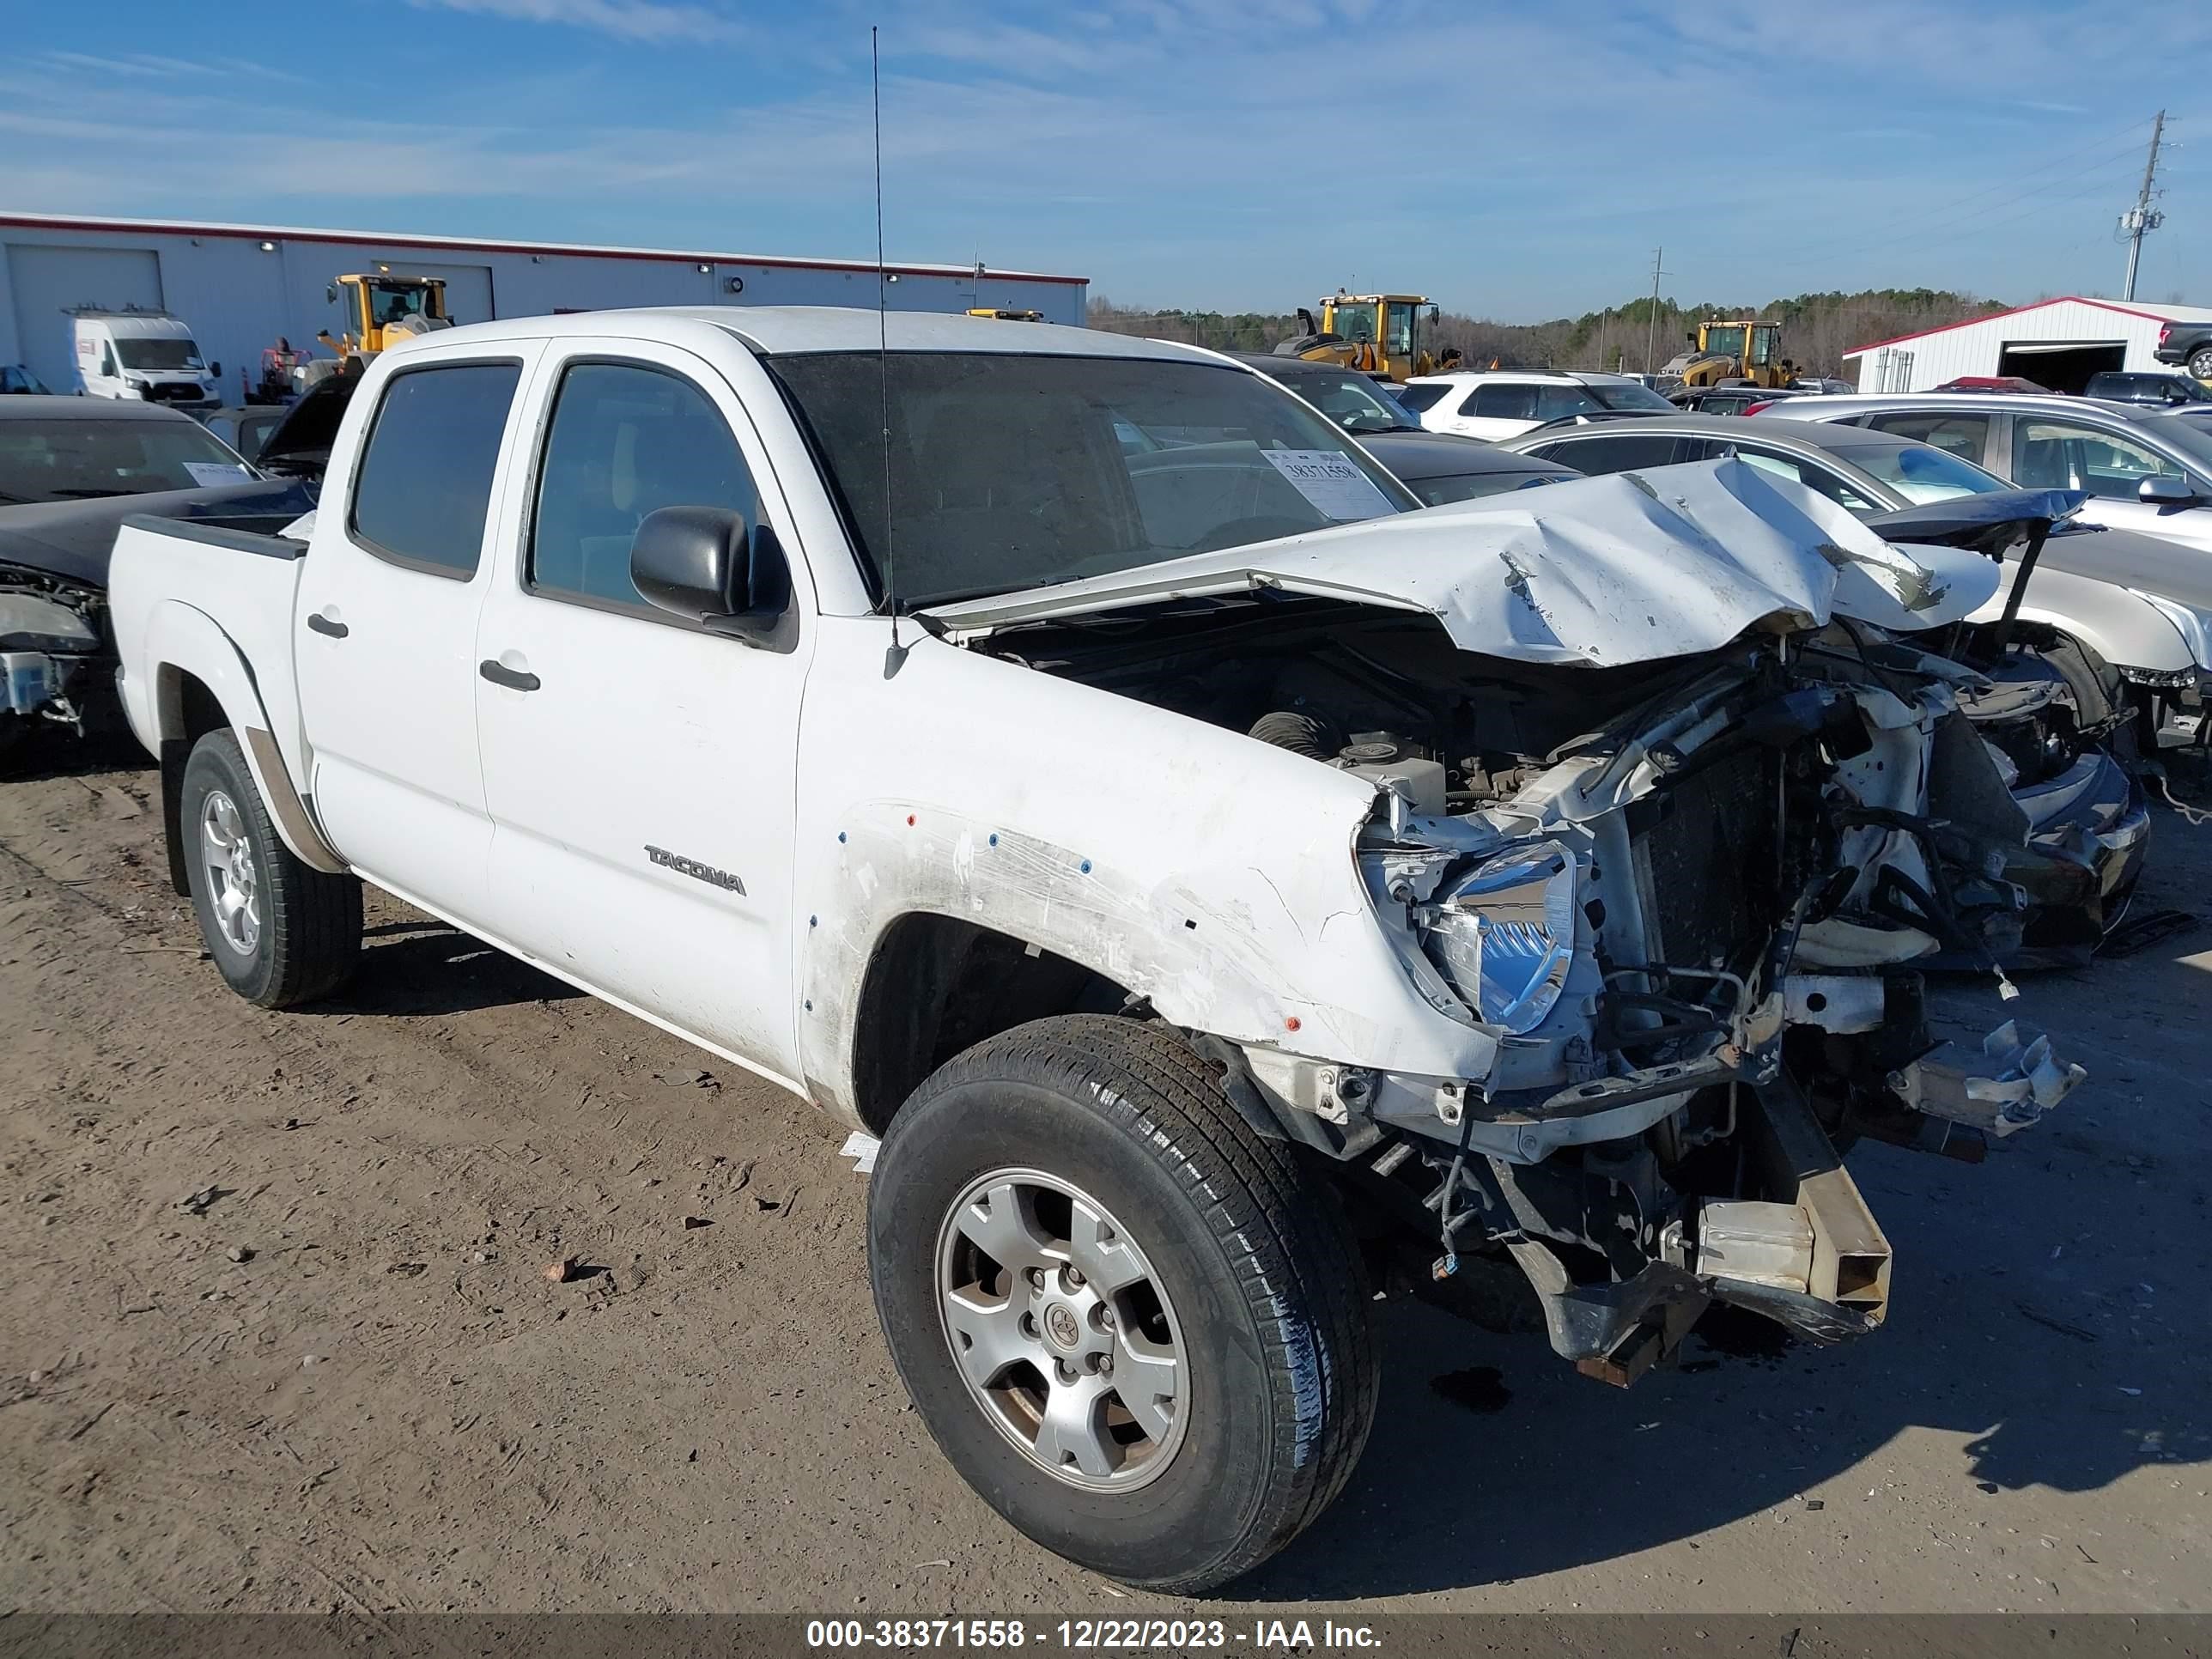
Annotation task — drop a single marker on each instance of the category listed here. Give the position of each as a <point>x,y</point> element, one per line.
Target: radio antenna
<point>884,352</point>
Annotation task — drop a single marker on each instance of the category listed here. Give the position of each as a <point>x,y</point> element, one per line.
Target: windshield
<point>168,353</point>
<point>1010,472</point>
<point>394,303</point>
<point>76,460</point>
<point>1923,473</point>
<point>2191,441</point>
<point>1627,394</point>
<point>1352,401</point>
<point>1467,486</point>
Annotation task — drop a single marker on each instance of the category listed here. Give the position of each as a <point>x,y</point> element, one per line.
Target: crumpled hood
<point>1636,567</point>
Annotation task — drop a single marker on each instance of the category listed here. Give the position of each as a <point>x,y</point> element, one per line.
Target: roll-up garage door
<point>47,281</point>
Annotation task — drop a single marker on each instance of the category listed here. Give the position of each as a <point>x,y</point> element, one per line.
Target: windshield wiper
<point>88,495</point>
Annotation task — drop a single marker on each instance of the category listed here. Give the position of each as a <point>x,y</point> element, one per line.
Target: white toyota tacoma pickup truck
<point>1225,889</point>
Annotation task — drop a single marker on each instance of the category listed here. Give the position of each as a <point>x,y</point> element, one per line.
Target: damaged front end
<point>51,634</point>
<point>1667,820</point>
<point>1693,939</point>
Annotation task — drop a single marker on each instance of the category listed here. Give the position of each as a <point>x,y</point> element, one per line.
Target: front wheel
<point>281,933</point>
<point>1134,1325</point>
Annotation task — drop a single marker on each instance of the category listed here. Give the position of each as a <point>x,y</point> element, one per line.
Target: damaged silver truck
<point>1217,882</point>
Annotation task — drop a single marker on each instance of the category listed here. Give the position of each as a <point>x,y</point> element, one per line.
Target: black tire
<point>2200,362</point>
<point>1253,1253</point>
<point>307,934</point>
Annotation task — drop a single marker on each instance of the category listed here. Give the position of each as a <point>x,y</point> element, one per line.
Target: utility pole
<point>1652,323</point>
<point>2142,218</point>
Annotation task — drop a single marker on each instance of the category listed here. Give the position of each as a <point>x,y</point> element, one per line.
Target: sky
<point>1509,161</point>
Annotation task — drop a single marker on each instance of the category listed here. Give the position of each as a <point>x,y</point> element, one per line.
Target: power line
<point>2011,188</point>
<point>1965,226</point>
<point>2046,166</point>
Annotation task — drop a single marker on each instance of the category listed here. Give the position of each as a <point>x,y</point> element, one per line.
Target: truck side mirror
<point>330,293</point>
<point>215,369</point>
<point>708,566</point>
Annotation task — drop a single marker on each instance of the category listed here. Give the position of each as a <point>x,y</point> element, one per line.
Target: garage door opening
<point>50,281</point>
<point>2062,365</point>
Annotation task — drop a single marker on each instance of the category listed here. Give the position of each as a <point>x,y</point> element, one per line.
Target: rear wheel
<point>1134,1325</point>
<point>281,933</point>
<point>2200,362</point>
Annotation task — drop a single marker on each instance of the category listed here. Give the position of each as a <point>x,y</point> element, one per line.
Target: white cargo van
<point>145,356</point>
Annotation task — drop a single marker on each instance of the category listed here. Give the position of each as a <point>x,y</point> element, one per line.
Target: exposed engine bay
<point>1685,902</point>
<point>52,637</point>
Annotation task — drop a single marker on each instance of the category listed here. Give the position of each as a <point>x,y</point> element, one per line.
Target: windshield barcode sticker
<point>1332,481</point>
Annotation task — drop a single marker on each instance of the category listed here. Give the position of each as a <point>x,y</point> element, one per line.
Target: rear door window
<point>1503,400</point>
<point>1967,436</point>
<point>423,485</point>
<point>1615,452</point>
<point>1555,403</point>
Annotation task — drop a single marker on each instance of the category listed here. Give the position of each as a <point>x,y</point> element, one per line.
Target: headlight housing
<point>1504,936</point>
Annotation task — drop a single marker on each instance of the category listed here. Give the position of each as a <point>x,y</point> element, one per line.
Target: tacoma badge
<point>696,871</point>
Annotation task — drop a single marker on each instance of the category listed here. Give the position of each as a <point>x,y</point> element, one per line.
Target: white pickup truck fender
<point>180,640</point>
<point>1211,874</point>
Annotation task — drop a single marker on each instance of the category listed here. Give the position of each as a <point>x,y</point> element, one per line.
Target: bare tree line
<point>1817,329</point>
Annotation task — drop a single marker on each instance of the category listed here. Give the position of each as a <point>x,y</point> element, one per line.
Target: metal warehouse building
<point>241,286</point>
<point>2058,344</point>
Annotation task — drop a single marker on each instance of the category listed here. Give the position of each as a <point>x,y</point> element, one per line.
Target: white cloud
<point>652,22</point>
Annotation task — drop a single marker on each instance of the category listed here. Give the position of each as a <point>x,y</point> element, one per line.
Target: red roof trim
<point>2012,311</point>
<point>467,245</point>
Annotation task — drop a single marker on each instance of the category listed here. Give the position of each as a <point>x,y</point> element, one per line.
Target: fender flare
<point>181,639</point>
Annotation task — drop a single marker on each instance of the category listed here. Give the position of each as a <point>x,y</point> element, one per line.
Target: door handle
<point>514,679</point>
<point>322,624</point>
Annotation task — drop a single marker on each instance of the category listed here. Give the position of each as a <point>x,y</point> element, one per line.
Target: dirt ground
<point>273,1334</point>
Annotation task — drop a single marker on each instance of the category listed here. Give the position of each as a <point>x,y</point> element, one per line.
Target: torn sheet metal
<point>1638,566</point>
<point>2009,1085</point>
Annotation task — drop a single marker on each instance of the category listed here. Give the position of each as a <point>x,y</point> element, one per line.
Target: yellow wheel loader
<point>381,310</point>
<point>1375,333</point>
<point>1741,350</point>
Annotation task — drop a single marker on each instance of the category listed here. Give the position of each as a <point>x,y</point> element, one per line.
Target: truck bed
<point>246,583</point>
